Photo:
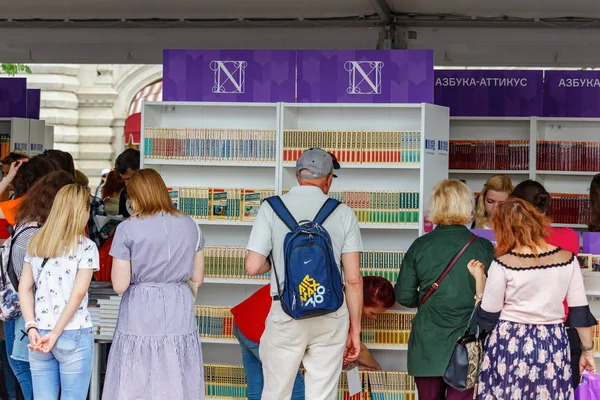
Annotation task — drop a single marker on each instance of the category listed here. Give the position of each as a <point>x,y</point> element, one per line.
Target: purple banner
<point>490,93</point>
<point>33,103</point>
<point>572,94</point>
<point>591,243</point>
<point>229,75</point>
<point>13,98</point>
<point>365,76</point>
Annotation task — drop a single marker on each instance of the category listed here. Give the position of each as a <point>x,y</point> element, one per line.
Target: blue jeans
<point>20,368</point>
<point>253,369</point>
<point>66,368</point>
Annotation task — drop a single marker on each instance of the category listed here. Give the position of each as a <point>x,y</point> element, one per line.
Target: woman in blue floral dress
<point>527,351</point>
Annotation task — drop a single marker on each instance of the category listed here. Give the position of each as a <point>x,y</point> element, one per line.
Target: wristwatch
<point>478,296</point>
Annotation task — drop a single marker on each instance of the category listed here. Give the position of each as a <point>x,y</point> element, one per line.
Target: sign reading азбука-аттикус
<point>490,93</point>
<point>572,94</point>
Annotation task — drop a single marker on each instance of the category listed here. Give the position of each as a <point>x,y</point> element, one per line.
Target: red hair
<point>378,292</point>
<point>517,223</point>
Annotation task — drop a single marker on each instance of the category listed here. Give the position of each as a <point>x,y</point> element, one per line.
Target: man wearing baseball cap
<point>321,343</point>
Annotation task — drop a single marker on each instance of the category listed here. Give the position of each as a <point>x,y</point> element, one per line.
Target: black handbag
<point>462,372</point>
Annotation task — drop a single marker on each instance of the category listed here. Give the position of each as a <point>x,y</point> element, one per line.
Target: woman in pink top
<point>527,351</point>
<point>565,238</point>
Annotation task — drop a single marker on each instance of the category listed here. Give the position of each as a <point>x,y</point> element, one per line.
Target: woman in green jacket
<point>442,319</point>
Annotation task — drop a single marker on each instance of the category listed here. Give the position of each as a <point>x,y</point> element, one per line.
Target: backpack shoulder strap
<point>328,207</point>
<point>282,212</point>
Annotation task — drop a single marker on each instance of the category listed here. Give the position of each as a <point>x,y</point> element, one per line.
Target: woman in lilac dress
<point>156,352</point>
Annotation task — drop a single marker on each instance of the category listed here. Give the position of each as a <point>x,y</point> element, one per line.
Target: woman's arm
<point>198,275</point>
<point>587,361</point>
<point>365,358</point>
<point>80,289</point>
<point>27,302</point>
<point>121,275</point>
<point>10,176</point>
<point>477,270</point>
<point>407,285</point>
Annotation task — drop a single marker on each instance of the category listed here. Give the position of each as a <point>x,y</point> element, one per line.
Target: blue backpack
<point>313,283</point>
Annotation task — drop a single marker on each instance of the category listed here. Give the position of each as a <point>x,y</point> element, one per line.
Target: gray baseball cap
<point>319,162</point>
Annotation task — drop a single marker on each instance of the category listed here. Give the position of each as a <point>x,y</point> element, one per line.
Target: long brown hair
<point>65,225</point>
<point>113,184</point>
<point>32,171</point>
<point>517,223</point>
<point>39,199</point>
<point>149,195</point>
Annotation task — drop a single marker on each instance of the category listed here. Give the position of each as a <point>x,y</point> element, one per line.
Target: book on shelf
<point>233,204</point>
<point>228,262</point>
<point>566,208</point>
<point>381,207</point>
<point>567,156</point>
<point>356,147</point>
<point>391,328</point>
<point>229,381</point>
<point>210,144</point>
<point>505,155</point>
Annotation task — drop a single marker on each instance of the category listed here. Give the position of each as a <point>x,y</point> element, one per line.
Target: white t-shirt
<point>268,231</point>
<point>54,284</point>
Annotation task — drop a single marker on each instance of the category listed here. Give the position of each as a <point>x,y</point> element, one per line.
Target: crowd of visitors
<point>526,294</point>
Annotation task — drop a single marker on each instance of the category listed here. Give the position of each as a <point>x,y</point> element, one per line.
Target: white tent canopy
<point>549,33</point>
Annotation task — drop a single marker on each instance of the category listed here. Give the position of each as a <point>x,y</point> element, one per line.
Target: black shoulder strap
<point>12,275</point>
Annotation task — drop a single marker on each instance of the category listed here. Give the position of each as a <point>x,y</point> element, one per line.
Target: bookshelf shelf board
<point>389,226</point>
<point>240,281</point>
<point>217,341</point>
<point>565,119</point>
<point>393,347</point>
<point>567,173</point>
<point>222,222</point>
<point>367,166</point>
<point>488,171</point>
<point>458,118</point>
<point>184,163</point>
<point>579,226</point>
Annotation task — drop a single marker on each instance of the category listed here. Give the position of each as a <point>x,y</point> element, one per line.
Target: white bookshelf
<point>26,135</point>
<point>430,120</point>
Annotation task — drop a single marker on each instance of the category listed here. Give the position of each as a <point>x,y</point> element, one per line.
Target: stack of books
<point>229,382</point>
<point>383,263</point>
<point>568,156</point>
<point>219,204</point>
<point>510,155</point>
<point>357,147</point>
<point>206,144</point>
<point>103,305</point>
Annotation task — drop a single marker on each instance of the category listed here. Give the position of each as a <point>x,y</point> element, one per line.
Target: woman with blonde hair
<point>156,350</point>
<point>527,352</point>
<point>434,278</point>
<point>59,264</point>
<point>496,190</point>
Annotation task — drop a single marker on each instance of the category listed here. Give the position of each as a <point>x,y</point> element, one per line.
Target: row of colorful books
<point>228,262</point>
<point>380,207</point>
<point>229,381</point>
<point>568,156</point>
<point>567,208</point>
<point>206,144</point>
<point>390,328</point>
<point>359,147</point>
<point>489,154</point>
<point>219,204</point>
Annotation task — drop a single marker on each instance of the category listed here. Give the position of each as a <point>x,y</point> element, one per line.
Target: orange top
<point>10,208</point>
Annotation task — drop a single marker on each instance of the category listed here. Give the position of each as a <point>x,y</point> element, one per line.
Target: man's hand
<point>352,350</point>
